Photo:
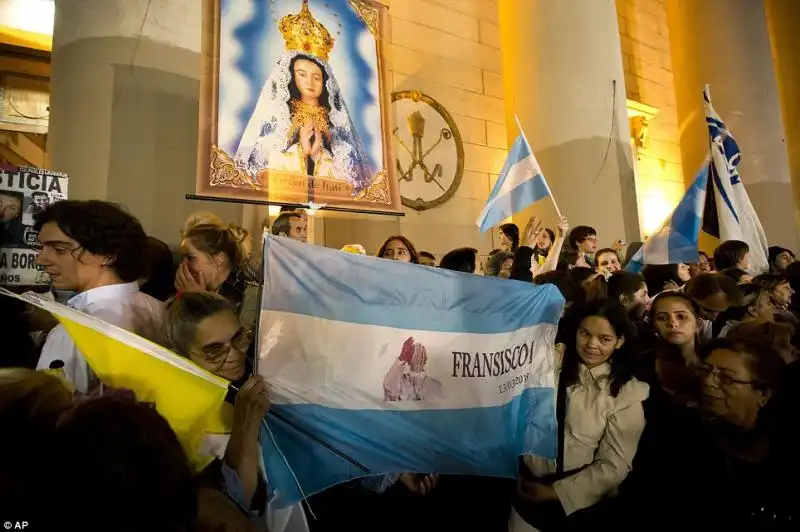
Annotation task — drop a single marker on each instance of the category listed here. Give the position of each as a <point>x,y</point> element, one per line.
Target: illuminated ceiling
<point>27,23</point>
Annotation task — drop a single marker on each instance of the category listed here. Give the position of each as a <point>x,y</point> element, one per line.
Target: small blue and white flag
<point>521,183</point>
<point>379,367</point>
<point>676,240</point>
<point>729,213</point>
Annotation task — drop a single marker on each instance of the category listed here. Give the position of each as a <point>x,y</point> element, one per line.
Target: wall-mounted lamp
<point>639,116</point>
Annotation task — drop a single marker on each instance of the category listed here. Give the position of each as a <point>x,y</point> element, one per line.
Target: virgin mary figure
<point>301,123</point>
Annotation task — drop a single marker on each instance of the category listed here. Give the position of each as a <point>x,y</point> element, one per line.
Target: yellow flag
<point>190,398</point>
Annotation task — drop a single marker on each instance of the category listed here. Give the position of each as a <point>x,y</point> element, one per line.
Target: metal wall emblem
<point>429,151</point>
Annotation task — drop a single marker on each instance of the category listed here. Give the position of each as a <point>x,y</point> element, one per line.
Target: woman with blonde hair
<point>200,218</point>
<point>212,262</point>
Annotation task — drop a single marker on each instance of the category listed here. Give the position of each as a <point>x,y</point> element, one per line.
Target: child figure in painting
<point>300,123</point>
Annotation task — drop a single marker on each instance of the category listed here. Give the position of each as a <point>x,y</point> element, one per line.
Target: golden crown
<point>303,33</point>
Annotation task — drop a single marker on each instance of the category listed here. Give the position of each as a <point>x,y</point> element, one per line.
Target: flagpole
<point>549,192</point>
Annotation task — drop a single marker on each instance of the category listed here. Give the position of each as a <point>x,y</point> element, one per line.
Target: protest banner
<point>24,191</point>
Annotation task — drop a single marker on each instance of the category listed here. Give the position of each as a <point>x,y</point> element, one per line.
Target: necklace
<point>303,113</point>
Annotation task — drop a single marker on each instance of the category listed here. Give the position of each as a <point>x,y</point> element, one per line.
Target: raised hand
<point>407,351</point>
<point>533,230</point>
<point>563,227</point>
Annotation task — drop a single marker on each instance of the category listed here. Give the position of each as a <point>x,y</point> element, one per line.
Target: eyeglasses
<point>218,353</point>
<point>704,371</point>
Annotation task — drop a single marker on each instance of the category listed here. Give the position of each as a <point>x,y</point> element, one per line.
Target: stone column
<point>124,107</point>
<point>563,77</point>
<point>782,18</point>
<point>725,43</point>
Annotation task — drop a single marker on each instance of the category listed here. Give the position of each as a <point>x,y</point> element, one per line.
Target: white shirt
<point>601,433</point>
<point>119,304</point>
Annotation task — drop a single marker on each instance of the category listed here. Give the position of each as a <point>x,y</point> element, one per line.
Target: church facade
<point>609,94</point>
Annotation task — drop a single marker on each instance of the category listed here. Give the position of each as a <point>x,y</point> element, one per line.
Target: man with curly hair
<point>94,248</point>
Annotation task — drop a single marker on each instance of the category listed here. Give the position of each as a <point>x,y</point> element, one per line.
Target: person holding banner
<point>600,418</point>
<point>94,248</point>
<point>204,328</point>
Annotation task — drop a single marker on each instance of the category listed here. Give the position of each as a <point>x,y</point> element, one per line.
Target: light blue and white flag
<point>521,183</point>
<point>676,240</point>
<point>731,216</point>
<point>378,367</point>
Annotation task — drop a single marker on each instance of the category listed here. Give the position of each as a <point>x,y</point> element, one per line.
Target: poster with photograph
<point>24,192</point>
<point>295,107</point>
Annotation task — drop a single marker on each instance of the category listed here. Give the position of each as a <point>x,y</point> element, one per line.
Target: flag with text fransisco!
<point>381,367</point>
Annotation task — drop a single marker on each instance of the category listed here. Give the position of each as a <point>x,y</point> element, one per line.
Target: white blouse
<point>601,432</point>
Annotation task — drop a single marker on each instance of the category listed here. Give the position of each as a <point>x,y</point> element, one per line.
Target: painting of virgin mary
<point>281,111</point>
<point>301,123</point>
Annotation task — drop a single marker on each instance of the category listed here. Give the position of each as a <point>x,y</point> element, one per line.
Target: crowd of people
<point>677,389</point>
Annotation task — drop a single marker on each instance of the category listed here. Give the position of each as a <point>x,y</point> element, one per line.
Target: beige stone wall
<point>647,60</point>
<point>450,50</point>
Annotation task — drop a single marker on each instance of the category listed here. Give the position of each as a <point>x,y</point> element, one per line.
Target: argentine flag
<point>520,184</point>
<point>729,213</point>
<point>380,367</point>
<point>676,239</point>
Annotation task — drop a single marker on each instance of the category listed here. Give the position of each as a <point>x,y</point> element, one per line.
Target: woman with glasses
<point>729,463</point>
<point>203,327</point>
<point>737,467</point>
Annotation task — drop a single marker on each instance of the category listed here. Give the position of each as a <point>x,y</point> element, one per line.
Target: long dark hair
<point>412,251</point>
<point>624,283</point>
<point>663,348</point>
<point>658,275</point>
<point>294,92</point>
<point>622,361</point>
<point>512,232</point>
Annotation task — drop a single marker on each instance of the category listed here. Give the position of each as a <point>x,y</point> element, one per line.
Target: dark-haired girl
<point>600,420</point>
